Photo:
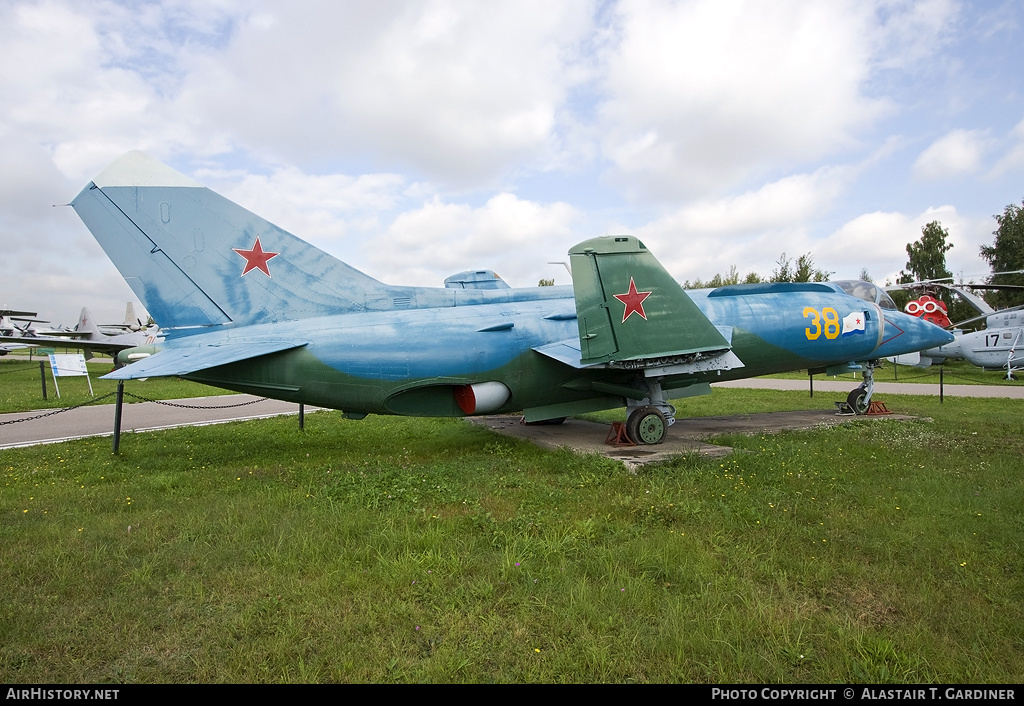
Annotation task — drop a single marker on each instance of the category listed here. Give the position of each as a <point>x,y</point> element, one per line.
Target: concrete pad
<point>686,436</point>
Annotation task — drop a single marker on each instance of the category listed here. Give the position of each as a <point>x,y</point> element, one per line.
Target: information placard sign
<point>69,365</point>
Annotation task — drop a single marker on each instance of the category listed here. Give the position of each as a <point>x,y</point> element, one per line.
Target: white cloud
<point>785,202</point>
<point>913,32</point>
<point>512,236</point>
<point>873,241</point>
<point>878,241</point>
<point>318,208</point>
<point>1013,160</point>
<point>460,90</point>
<point>702,94</point>
<point>749,230</point>
<point>705,94</point>
<point>956,153</point>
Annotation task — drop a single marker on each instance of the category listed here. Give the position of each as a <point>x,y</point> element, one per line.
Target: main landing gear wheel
<point>858,399</point>
<point>646,425</point>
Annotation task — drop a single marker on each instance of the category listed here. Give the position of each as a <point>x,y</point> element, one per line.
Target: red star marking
<point>256,259</point>
<point>634,302</point>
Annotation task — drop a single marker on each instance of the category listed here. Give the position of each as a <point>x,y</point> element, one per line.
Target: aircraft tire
<point>858,399</point>
<point>646,426</point>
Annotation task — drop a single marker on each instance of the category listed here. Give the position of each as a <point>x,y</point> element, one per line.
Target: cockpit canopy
<point>866,291</point>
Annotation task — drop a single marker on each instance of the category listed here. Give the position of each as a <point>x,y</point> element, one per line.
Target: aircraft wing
<point>172,362</point>
<point>101,346</point>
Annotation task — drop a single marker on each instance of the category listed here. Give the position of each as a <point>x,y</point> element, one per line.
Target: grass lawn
<point>422,550</point>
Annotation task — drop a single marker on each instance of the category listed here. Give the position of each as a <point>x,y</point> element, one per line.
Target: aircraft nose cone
<point>906,334</point>
<point>938,336</point>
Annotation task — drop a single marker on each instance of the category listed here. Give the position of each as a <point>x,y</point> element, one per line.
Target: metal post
<point>117,414</point>
<point>302,416</point>
<point>810,379</point>
<point>941,386</point>
<point>42,376</point>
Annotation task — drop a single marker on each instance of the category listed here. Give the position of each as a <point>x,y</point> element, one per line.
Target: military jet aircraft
<point>249,307</point>
<point>87,336</point>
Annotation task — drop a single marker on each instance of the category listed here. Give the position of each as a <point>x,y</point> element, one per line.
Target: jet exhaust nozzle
<point>482,397</point>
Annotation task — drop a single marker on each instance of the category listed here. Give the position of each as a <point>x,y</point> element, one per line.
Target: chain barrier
<point>58,411</point>
<point>193,406</point>
<point>129,394</point>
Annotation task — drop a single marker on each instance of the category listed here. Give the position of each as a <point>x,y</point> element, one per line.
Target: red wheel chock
<point>617,435</point>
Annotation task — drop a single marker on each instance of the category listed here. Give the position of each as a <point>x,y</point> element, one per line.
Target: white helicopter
<point>999,346</point>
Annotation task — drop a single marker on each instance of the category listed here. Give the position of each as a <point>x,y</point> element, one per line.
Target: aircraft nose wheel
<point>858,399</point>
<point>646,425</point>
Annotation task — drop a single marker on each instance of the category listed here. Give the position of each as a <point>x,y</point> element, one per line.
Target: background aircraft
<point>999,346</point>
<point>247,306</point>
<point>9,320</point>
<point>87,336</point>
<point>131,322</point>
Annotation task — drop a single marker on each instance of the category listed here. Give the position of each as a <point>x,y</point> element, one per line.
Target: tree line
<point>786,270</point>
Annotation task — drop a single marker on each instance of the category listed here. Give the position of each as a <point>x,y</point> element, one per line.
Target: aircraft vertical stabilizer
<point>195,258</point>
<point>87,324</point>
<point>630,309</point>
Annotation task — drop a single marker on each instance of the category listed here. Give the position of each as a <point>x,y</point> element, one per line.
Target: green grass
<point>419,550</point>
<point>21,388</point>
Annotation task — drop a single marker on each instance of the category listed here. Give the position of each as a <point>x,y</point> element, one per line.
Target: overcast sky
<point>417,139</point>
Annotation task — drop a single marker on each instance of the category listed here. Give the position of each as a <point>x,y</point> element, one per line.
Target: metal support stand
<point>117,414</point>
<point>941,385</point>
<point>42,376</point>
<point>302,416</point>
<point>810,380</point>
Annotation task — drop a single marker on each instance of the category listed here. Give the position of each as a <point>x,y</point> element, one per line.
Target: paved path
<point>98,420</point>
<point>881,388</point>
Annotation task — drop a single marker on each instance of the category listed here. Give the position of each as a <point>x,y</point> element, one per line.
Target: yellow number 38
<point>830,318</point>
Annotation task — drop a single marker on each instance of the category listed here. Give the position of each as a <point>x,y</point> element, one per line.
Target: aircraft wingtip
<point>139,169</point>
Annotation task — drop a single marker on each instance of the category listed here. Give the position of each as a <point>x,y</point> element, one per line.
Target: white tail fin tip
<point>139,169</point>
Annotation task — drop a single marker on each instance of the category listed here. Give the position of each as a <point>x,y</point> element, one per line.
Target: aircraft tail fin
<point>195,258</point>
<point>87,325</point>
<point>130,320</point>
<point>630,309</point>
